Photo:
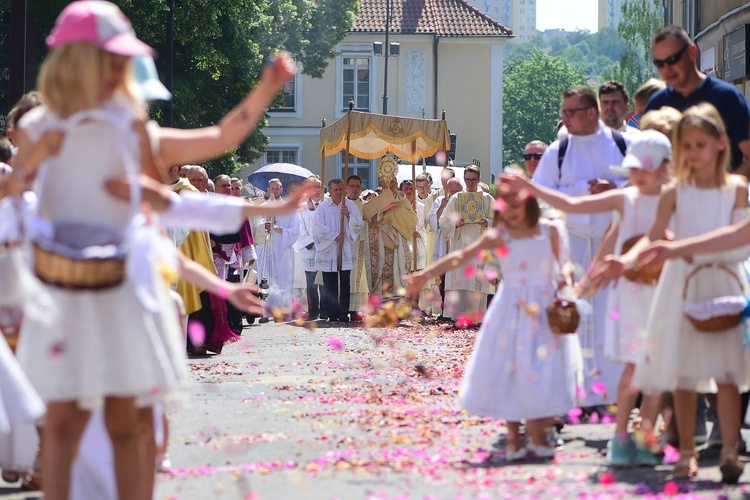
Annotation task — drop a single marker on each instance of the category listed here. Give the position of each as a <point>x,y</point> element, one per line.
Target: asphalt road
<point>292,413</point>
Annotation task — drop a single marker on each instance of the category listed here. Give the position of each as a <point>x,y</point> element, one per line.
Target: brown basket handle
<point>702,266</point>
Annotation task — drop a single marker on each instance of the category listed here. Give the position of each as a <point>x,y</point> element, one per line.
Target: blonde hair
<point>70,78</point>
<point>662,120</point>
<point>706,118</point>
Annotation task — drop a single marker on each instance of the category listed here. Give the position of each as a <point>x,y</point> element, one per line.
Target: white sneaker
<point>163,463</point>
<point>512,455</point>
<point>543,452</point>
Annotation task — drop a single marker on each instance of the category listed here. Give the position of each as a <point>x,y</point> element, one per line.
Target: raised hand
<point>245,298</point>
<point>280,70</point>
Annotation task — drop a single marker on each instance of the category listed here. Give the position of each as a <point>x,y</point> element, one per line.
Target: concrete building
<point>610,13</point>
<point>450,56</point>
<point>721,29</point>
<point>518,15</point>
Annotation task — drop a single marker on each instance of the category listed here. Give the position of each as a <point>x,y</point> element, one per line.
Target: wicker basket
<point>648,275</point>
<point>563,317</point>
<point>720,318</point>
<point>78,274</point>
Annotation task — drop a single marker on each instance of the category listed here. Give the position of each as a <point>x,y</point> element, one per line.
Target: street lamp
<point>393,49</point>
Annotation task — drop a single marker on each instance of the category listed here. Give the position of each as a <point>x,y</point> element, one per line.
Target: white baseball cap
<point>648,151</point>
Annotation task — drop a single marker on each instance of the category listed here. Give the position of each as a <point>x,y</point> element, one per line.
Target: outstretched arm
<point>602,202</point>
<point>191,146</point>
<point>241,296</point>
<point>718,240</point>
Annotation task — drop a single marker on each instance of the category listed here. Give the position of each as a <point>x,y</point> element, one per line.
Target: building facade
<point>443,55</point>
<point>720,29</point>
<point>610,13</point>
<point>518,15</point>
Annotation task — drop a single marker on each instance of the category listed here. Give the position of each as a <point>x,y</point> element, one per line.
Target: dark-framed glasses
<point>572,111</point>
<point>532,156</point>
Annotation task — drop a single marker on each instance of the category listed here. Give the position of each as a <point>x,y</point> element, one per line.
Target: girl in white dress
<point>677,357</point>
<point>519,370</point>
<point>634,207</point>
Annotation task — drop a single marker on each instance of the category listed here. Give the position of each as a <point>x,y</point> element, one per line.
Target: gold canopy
<point>371,136</point>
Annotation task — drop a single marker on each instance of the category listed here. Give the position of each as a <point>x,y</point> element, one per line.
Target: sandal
<point>686,467</point>
<point>730,466</point>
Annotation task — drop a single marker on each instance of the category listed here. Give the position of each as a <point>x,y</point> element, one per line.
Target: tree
<point>640,20</point>
<point>532,95</point>
<point>220,47</point>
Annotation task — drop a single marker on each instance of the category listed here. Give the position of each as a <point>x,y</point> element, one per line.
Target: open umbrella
<point>285,172</point>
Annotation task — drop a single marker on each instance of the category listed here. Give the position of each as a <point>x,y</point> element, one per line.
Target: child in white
<point>677,356</point>
<point>634,210</point>
<point>519,370</point>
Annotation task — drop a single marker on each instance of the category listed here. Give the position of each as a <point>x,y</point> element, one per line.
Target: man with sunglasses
<point>674,56</point>
<point>532,153</point>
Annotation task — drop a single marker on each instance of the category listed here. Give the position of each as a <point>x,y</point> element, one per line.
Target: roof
<point>447,18</point>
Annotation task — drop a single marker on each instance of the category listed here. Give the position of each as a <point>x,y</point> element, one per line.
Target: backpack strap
<point>616,136</point>
<point>561,154</point>
<point>620,141</point>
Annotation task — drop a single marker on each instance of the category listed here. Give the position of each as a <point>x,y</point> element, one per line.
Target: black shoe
<point>263,320</point>
<point>250,319</point>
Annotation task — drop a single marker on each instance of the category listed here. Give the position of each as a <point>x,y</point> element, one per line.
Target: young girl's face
<point>646,181</point>
<point>701,149</point>
<point>114,75</point>
<point>514,212</point>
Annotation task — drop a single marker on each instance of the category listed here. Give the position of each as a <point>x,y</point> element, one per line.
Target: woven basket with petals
<point>78,274</point>
<point>563,317</point>
<point>718,314</point>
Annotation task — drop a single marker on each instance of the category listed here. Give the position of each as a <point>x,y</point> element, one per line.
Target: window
<point>289,96</point>
<point>278,155</point>
<point>356,83</point>
<point>357,166</point>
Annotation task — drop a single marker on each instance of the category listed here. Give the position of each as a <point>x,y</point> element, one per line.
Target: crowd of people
<point>604,205</point>
<point>138,265</point>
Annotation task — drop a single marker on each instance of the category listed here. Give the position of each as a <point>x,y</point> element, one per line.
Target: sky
<point>570,15</point>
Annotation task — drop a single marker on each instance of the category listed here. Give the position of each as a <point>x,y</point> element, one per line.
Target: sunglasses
<point>535,156</point>
<point>673,59</point>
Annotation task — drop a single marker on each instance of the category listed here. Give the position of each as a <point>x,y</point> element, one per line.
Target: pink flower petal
<point>335,343</point>
<point>197,333</point>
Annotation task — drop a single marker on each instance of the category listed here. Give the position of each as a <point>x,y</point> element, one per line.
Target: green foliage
<point>220,48</point>
<point>640,19</point>
<point>531,101</point>
<point>594,54</point>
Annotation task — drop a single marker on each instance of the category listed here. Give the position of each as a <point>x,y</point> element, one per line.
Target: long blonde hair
<point>706,118</point>
<point>70,78</point>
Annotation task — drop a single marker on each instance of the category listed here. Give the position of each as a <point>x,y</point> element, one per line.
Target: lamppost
<point>393,49</point>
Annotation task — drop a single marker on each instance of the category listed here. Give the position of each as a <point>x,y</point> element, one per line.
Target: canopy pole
<point>443,176</point>
<point>339,256</point>
<point>414,200</point>
<point>323,159</point>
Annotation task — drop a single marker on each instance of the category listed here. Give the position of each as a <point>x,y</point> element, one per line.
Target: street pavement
<point>344,412</point>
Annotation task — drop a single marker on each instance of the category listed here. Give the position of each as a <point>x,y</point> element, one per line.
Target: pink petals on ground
<point>335,343</point>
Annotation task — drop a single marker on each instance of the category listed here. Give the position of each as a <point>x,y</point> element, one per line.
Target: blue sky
<point>569,15</point>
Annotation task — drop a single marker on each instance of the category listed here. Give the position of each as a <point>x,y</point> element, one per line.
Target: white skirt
<point>518,368</point>
<point>628,304</point>
<point>20,408</point>
<point>105,344</point>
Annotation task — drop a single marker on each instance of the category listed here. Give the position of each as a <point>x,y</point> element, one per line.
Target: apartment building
<point>518,15</point>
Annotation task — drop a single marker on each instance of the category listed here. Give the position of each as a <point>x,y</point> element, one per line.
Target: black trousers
<point>234,315</point>
<point>336,294</point>
<point>313,295</point>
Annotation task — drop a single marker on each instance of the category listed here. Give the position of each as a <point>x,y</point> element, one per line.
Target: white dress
<point>628,302</point>
<point>676,355</point>
<point>20,407</point>
<point>519,369</point>
<point>103,343</point>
